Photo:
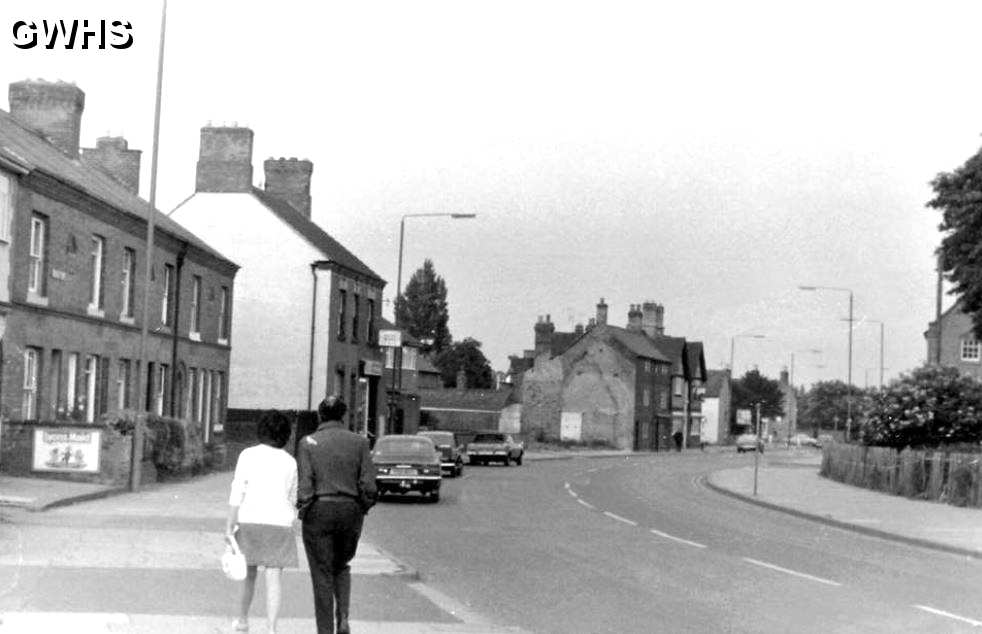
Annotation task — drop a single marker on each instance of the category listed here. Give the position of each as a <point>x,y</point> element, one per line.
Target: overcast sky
<point>710,156</point>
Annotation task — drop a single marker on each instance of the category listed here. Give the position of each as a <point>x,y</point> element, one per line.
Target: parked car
<point>404,464</point>
<point>749,442</point>
<point>451,454</point>
<point>494,446</point>
<point>804,440</point>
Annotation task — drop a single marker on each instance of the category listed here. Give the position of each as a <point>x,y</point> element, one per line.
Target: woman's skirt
<point>268,545</point>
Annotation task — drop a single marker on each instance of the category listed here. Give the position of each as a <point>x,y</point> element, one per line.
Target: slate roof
<point>450,398</point>
<point>673,348</point>
<point>636,342</point>
<point>715,379</point>
<point>332,250</point>
<point>694,351</point>
<point>425,366</point>
<point>24,146</point>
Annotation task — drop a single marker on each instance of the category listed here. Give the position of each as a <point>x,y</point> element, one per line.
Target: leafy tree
<point>826,407</point>
<point>930,407</point>
<point>464,355</point>
<point>958,195</point>
<point>752,388</point>
<point>421,309</point>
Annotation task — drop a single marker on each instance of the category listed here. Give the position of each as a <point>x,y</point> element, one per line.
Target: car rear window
<point>489,438</point>
<point>404,446</point>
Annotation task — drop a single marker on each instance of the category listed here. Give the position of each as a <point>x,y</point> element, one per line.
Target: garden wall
<point>949,477</point>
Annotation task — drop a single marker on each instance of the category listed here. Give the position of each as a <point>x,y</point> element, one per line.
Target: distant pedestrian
<point>262,508</point>
<point>677,436</point>
<point>336,489</point>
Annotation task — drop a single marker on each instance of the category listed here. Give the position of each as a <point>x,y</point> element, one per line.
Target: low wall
<point>949,477</point>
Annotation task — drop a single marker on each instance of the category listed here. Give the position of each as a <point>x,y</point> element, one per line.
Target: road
<point>639,544</point>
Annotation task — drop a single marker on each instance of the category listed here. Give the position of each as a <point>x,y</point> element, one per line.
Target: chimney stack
<point>289,179</point>
<point>543,335</point>
<point>591,324</point>
<point>652,320</point>
<point>578,329</point>
<point>634,318</point>
<point>113,156</point>
<point>602,313</point>
<point>224,160</point>
<point>53,109</point>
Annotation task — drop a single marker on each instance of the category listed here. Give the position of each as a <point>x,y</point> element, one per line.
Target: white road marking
<point>566,484</point>
<point>585,503</point>
<point>677,539</point>
<point>949,615</point>
<point>594,470</point>
<point>764,564</point>
<point>620,519</point>
<point>449,604</point>
<point>573,493</point>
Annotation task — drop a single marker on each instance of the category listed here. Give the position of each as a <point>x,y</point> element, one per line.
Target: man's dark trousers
<point>330,536</point>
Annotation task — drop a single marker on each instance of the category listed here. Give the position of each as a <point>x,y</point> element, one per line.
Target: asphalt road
<point>640,544</point>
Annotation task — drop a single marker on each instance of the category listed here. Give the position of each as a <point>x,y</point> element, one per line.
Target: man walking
<point>336,487</point>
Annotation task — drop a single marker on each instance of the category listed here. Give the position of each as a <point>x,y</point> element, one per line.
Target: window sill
<point>95,311</point>
<point>194,336</point>
<point>223,342</point>
<point>34,298</point>
<point>127,320</point>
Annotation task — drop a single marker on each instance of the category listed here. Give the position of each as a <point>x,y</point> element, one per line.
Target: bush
<point>174,446</point>
<point>930,407</point>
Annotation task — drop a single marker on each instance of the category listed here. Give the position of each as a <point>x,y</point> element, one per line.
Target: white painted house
<point>306,308</point>
<point>716,403</point>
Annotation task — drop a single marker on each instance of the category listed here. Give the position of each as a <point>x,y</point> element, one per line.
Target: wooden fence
<point>953,478</point>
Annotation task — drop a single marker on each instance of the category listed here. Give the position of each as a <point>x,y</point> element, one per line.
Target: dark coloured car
<point>405,464</point>
<point>494,446</point>
<point>451,455</point>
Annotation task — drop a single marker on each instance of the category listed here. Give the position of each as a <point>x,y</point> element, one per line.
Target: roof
<point>27,148</point>
<point>561,341</point>
<point>450,398</point>
<point>673,348</point>
<point>332,250</point>
<point>932,325</point>
<point>636,342</point>
<point>715,379</point>
<point>425,366</point>
<point>693,350</point>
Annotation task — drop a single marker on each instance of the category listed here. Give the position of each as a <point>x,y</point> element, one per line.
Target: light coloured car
<point>804,440</point>
<point>494,446</point>
<point>451,456</point>
<point>749,442</point>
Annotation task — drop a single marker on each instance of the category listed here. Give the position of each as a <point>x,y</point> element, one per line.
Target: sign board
<point>744,417</point>
<point>571,426</point>
<point>390,338</point>
<point>66,449</point>
<point>371,367</point>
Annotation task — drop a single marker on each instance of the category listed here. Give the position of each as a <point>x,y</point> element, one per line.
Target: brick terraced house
<point>73,251</point>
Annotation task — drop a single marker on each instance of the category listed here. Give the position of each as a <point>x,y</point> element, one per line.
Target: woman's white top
<point>265,486</point>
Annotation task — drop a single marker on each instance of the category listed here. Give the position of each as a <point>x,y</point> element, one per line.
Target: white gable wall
<point>271,304</point>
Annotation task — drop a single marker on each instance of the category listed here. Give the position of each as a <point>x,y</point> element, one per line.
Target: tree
<point>824,406</point>
<point>464,355</point>
<point>421,309</point>
<point>958,195</point>
<point>752,388</point>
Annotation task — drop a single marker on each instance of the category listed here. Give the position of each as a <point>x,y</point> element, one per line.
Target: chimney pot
<point>602,313</point>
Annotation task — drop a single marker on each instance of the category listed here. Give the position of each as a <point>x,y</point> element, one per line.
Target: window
<point>662,399</point>
<point>647,397</point>
<point>29,404</point>
<point>970,350</point>
<point>71,385</point>
<point>39,250</point>
<point>6,206</point>
<point>57,398</point>
<point>91,382</point>
<point>166,298</point>
<point>354,318</point>
<point>195,307</point>
<point>223,316</point>
<point>409,358</point>
<point>370,336</point>
<point>129,282</point>
<point>677,385</point>
<point>123,383</point>
<point>206,397</point>
<point>199,409</point>
<point>160,389</point>
<point>96,262</point>
<point>342,312</point>
<point>192,406</point>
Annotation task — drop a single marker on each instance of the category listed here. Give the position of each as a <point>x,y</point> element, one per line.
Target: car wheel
<point>518,460</point>
<point>739,450</point>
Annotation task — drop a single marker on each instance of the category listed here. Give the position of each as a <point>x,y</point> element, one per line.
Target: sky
<point>709,156</point>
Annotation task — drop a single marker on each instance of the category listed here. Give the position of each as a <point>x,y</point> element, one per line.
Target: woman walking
<point>261,513</point>
<point>337,487</point>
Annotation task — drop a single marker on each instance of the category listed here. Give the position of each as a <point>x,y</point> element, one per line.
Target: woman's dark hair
<point>274,429</point>
<point>331,408</point>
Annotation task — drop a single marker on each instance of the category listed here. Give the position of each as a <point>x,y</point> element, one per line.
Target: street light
<point>733,346</point>
<point>402,235</point>
<point>849,370</point>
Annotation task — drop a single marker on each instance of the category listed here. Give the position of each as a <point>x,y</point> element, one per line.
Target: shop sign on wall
<point>69,450</point>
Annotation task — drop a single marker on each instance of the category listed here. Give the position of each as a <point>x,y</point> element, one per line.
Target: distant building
<point>716,408</point>
<point>307,310</point>
<point>959,346</point>
<point>72,263</point>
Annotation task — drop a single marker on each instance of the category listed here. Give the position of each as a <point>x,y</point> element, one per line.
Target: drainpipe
<point>313,325</point>
<point>173,335</point>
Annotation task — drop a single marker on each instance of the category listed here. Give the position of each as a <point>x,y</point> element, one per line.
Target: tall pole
<point>137,452</point>
<point>849,381</point>
<point>881,355</point>
<point>402,236</point>
<point>937,307</point>
<point>732,349</point>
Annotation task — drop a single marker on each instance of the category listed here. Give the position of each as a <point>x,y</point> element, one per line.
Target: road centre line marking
<point>764,564</point>
<point>620,519</point>
<point>566,484</point>
<point>585,503</point>
<point>677,539</point>
<point>949,615</point>
<point>573,493</point>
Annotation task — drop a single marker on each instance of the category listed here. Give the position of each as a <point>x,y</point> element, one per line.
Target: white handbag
<point>233,561</point>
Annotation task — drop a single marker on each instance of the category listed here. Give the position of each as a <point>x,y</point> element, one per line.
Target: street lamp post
<point>733,346</point>
<point>849,363</point>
